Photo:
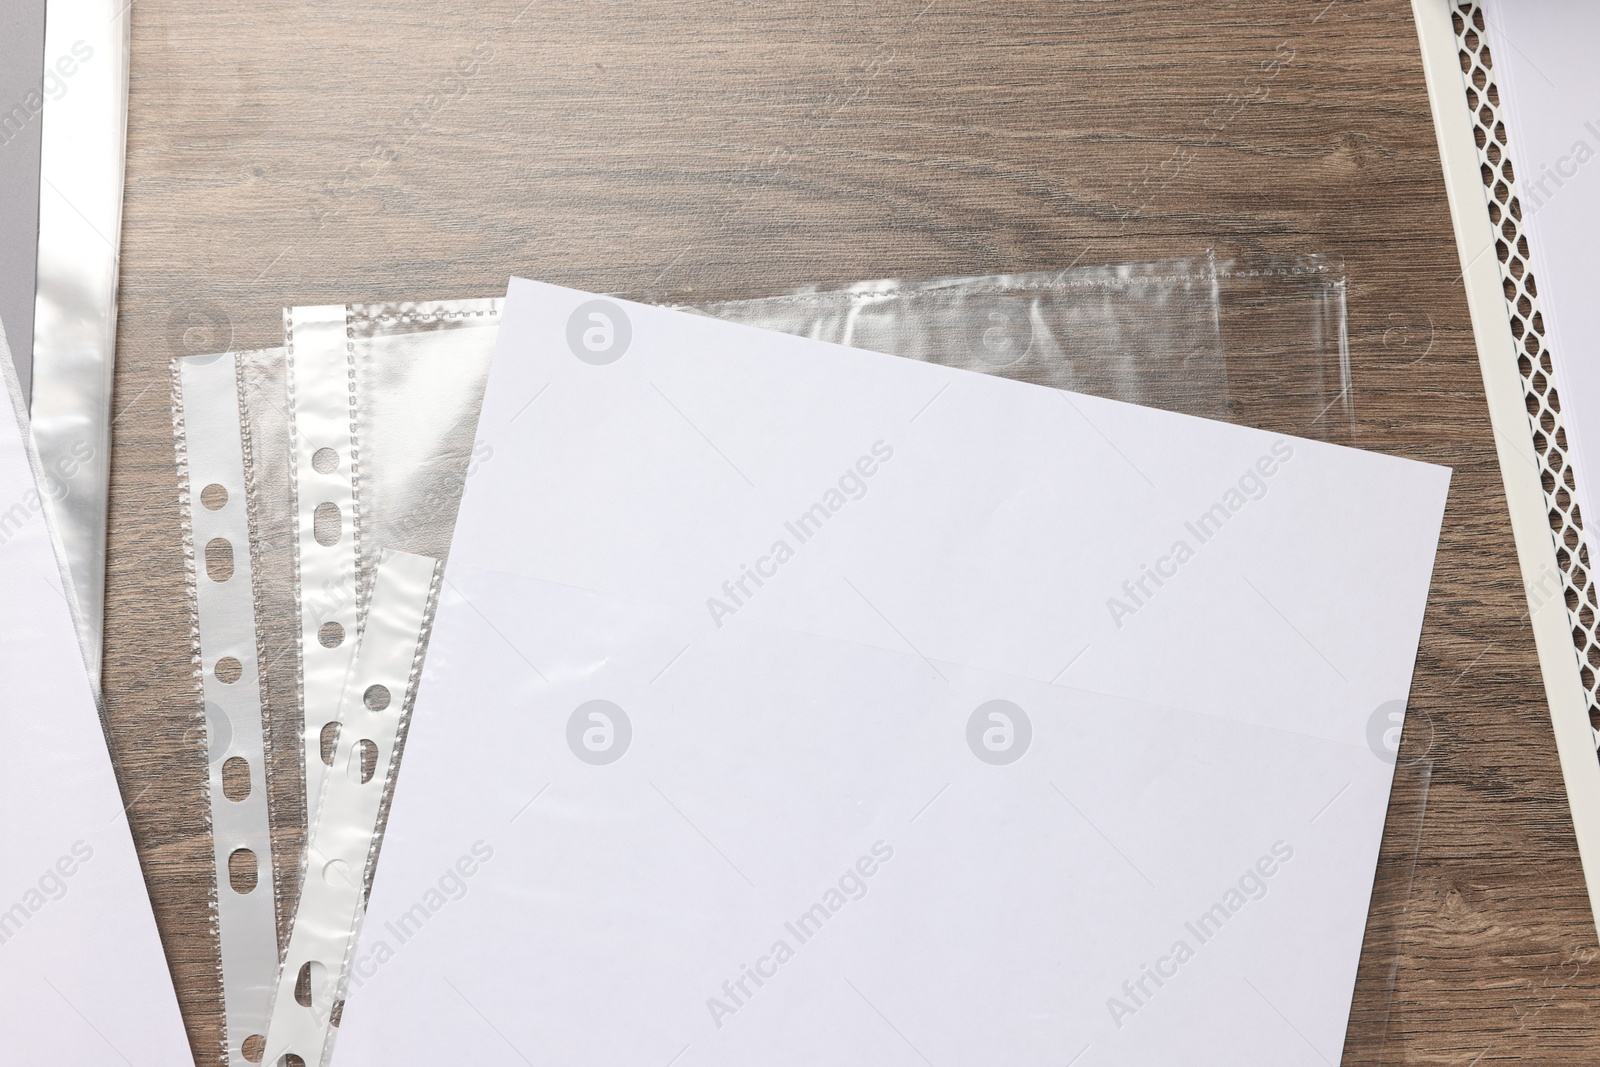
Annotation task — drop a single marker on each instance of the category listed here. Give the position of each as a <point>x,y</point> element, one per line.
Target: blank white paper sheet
<point>83,979</point>
<point>789,704</point>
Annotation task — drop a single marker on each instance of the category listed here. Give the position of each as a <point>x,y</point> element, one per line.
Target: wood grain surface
<point>287,152</point>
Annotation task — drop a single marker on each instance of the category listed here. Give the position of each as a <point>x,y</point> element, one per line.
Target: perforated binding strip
<point>211,466</point>
<point>323,436</point>
<point>309,989</point>
<point>1577,585</point>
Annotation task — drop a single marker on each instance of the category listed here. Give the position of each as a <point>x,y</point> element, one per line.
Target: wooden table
<point>290,152</point>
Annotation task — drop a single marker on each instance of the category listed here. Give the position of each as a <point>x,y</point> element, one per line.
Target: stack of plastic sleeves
<point>320,483</point>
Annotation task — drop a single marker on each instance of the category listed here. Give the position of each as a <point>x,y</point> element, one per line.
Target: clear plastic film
<point>212,451</point>
<point>75,315</point>
<point>263,383</point>
<point>1166,335</point>
<point>376,699</point>
<point>1146,334</point>
<point>419,371</point>
<point>324,472</point>
<point>1260,343</point>
<point>235,419</point>
<point>233,429</point>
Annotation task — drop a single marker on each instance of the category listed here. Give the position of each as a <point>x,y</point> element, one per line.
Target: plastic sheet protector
<point>82,976</point>
<point>340,851</point>
<point>322,434</point>
<point>83,133</point>
<point>215,505</point>
<point>792,704</point>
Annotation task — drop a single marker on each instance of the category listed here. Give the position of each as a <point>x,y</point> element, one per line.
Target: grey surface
<point>21,118</point>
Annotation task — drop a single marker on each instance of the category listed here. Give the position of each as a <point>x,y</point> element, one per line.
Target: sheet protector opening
<point>865,710</point>
<point>1162,334</point>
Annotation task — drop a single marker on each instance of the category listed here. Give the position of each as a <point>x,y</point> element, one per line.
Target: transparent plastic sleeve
<point>1259,343</point>
<point>214,494</point>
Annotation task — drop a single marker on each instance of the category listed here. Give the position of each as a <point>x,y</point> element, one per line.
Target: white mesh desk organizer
<point>1509,85</point>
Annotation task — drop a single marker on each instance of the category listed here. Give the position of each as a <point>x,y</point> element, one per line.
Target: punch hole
<point>329,742</point>
<point>336,873</point>
<point>253,1048</point>
<point>219,559</point>
<point>324,461</point>
<point>228,670</point>
<point>376,697</point>
<point>331,635</point>
<point>243,871</point>
<point>236,778</point>
<point>308,982</point>
<point>214,497</point>
<point>291,1060</point>
<point>327,522</point>
<point>336,1016</point>
<point>363,761</point>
